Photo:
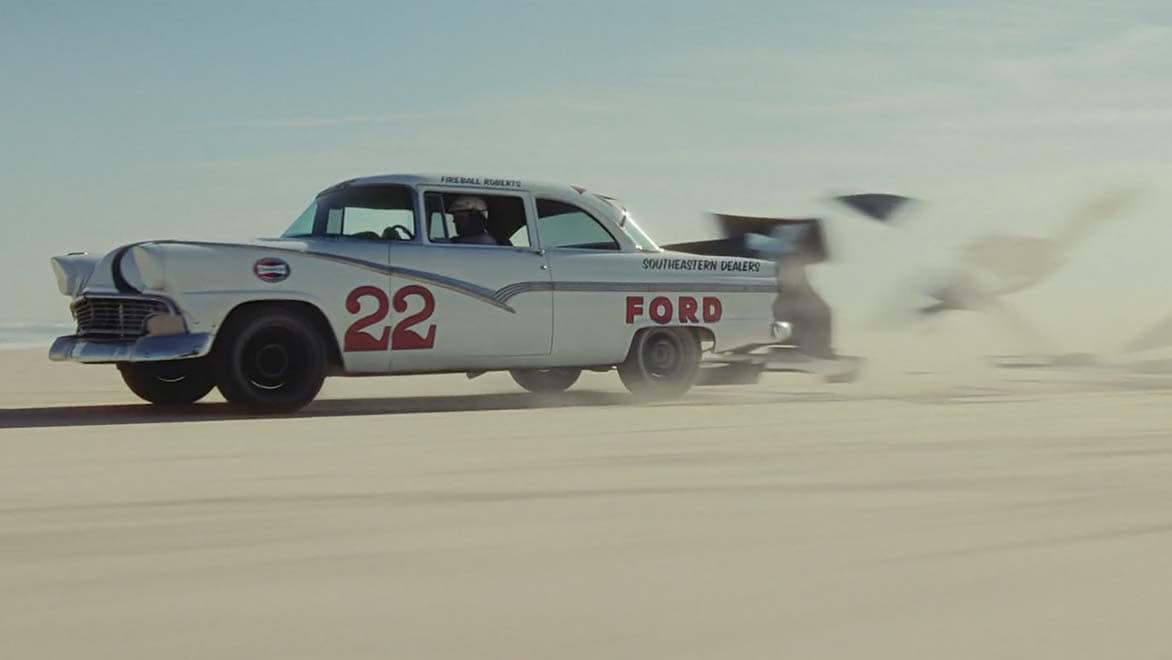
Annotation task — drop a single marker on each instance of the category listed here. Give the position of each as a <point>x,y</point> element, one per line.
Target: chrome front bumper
<point>143,349</point>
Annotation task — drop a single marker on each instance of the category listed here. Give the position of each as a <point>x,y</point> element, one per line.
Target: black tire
<point>271,359</point>
<point>662,363</point>
<point>173,383</point>
<point>546,381</point>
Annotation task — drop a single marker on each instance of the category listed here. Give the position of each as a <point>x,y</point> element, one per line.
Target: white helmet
<point>469,203</point>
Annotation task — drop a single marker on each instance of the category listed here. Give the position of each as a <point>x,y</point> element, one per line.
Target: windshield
<point>367,211</point>
<point>303,225</point>
<point>631,228</point>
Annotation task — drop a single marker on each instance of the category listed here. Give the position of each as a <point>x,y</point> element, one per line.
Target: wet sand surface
<point>978,515</point>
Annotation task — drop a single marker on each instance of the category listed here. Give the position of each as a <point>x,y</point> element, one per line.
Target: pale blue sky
<point>126,121</point>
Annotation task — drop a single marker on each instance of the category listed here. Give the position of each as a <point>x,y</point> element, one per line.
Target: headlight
<point>149,260</point>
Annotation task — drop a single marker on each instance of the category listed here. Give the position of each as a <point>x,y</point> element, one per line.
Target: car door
<point>348,249</point>
<point>345,289</point>
<point>593,275</point>
<point>465,306</point>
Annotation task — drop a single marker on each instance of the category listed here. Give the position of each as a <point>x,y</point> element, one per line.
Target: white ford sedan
<point>413,274</point>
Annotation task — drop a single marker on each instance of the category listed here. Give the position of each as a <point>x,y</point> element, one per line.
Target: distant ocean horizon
<point>20,335</point>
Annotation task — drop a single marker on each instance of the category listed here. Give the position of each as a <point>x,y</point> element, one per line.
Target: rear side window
<point>564,225</point>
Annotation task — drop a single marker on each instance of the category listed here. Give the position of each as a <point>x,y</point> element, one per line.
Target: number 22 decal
<point>402,337</point>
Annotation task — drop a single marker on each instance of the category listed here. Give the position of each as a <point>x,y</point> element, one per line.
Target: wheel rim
<point>274,358</point>
<point>171,375</point>
<point>663,356</point>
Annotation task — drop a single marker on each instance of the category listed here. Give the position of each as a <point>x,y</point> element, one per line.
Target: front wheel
<point>177,383</point>
<point>662,363</point>
<point>272,359</point>
<point>546,381</point>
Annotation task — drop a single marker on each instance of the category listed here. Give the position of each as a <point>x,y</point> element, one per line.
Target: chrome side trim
<point>507,293</point>
<point>501,297</point>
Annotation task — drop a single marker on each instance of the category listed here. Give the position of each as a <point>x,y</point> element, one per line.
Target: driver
<point>470,214</point>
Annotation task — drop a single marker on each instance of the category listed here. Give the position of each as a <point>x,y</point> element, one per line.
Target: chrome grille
<point>114,318</point>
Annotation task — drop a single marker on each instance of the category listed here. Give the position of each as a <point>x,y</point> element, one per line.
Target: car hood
<point>119,269</point>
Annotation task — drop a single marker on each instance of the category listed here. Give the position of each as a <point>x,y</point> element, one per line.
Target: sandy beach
<point>982,514</point>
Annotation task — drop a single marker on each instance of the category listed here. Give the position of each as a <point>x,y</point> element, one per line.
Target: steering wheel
<point>398,233</point>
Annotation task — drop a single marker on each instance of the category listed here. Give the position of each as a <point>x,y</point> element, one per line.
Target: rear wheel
<point>662,363</point>
<point>177,383</point>
<point>271,359</point>
<point>546,381</point>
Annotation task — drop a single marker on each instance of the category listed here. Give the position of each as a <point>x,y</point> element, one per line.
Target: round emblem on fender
<point>271,269</point>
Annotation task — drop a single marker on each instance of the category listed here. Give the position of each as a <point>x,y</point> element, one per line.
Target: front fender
<point>73,271</point>
<point>208,281</point>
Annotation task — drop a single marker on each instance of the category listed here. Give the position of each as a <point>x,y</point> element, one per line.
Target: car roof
<point>537,188</point>
<point>605,208</point>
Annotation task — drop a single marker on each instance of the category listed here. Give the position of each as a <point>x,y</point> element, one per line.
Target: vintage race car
<point>378,276</point>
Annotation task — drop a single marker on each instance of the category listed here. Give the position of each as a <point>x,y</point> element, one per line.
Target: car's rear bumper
<point>143,349</point>
<point>758,349</point>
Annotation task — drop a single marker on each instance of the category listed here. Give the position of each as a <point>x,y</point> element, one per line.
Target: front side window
<point>567,226</point>
<point>381,212</point>
<point>473,218</point>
